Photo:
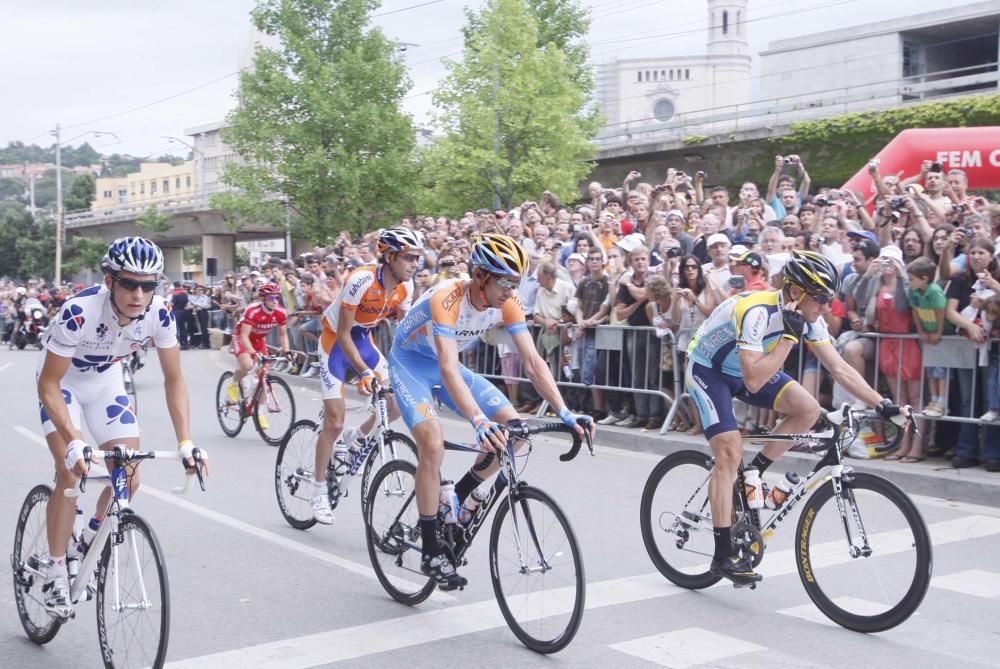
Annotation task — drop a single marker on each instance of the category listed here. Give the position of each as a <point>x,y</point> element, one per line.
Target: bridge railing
<point>196,201</point>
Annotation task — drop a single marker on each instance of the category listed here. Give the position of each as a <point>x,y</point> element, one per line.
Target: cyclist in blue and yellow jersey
<point>425,354</point>
<point>370,295</point>
<point>739,351</point>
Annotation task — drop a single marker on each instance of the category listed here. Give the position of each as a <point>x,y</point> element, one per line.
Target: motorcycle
<point>33,322</point>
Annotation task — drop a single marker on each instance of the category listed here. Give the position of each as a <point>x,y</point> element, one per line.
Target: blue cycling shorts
<point>333,365</point>
<point>713,393</point>
<point>416,381</point>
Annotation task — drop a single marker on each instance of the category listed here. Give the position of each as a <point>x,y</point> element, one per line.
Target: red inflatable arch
<point>974,150</point>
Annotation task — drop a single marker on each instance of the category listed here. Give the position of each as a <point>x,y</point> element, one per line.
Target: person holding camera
<point>778,197</point>
<point>748,273</point>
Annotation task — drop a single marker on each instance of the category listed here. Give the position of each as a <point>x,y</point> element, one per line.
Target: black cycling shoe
<point>442,571</point>
<point>736,569</point>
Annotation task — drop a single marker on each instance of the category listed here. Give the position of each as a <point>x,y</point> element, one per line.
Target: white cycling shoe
<point>56,590</point>
<point>321,509</point>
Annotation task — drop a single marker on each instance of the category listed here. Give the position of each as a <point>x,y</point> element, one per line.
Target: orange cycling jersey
<point>364,293</point>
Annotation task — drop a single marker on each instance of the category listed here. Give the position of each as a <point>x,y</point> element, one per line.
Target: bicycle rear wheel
<point>274,410</point>
<point>230,413</point>
<point>133,597</point>
<point>294,473</point>
<point>30,550</point>
<point>537,571</point>
<point>395,442</point>
<point>676,520</point>
<point>393,535</point>
<point>864,586</point>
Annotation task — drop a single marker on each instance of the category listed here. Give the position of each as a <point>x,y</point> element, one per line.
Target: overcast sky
<point>123,66</point>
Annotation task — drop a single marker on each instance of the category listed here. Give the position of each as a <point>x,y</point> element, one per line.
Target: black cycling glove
<point>795,325</point>
<point>887,409</point>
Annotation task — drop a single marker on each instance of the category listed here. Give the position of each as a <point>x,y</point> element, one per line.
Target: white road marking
<point>971,582</point>
<point>228,521</point>
<point>811,614</point>
<point>5,366</point>
<point>685,648</point>
<point>363,640</point>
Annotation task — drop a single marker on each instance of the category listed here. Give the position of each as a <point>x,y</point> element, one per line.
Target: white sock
<point>58,565</point>
<point>319,487</point>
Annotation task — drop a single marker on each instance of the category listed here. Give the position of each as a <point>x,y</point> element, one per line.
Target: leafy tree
<point>153,221</point>
<point>82,254</point>
<point>81,193</point>
<point>12,189</point>
<point>318,121</point>
<point>239,210</point>
<point>27,248</point>
<point>513,115</point>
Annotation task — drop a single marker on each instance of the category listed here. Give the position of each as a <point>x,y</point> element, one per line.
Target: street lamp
<point>59,194</point>
<point>201,162</point>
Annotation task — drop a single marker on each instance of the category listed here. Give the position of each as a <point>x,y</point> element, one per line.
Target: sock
<point>428,534</point>
<point>319,487</point>
<point>58,567</point>
<point>723,542</point>
<point>466,485</point>
<point>761,462</point>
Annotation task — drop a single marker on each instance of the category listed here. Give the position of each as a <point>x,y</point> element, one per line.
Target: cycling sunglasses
<point>131,284</point>
<point>821,299</point>
<point>505,282</point>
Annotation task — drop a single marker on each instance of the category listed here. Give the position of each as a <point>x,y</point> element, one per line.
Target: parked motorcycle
<point>33,323</point>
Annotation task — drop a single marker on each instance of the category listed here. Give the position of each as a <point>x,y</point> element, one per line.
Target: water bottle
<point>754,488</point>
<point>341,458</point>
<point>780,492</point>
<point>472,503</point>
<point>449,502</point>
<point>87,535</point>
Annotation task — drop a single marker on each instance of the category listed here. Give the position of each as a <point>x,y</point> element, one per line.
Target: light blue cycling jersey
<point>747,321</point>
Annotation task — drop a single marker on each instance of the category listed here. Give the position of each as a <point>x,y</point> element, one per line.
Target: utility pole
<point>31,193</point>
<point>60,231</point>
<point>288,230</point>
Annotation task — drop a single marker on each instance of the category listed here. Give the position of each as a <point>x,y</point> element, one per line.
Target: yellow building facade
<point>154,183</point>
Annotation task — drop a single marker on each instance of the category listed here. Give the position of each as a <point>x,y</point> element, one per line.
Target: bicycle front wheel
<point>397,445</point>
<point>274,410</point>
<point>133,597</point>
<point>676,519</point>
<point>867,571</point>
<point>30,550</point>
<point>537,571</point>
<point>230,413</point>
<point>294,473</point>
<point>393,535</point>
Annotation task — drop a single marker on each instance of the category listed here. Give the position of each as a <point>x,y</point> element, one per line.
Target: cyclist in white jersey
<point>79,377</point>
<point>425,356</point>
<point>739,351</point>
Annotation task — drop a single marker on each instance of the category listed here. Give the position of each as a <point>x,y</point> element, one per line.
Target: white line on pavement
<point>271,537</point>
<point>5,366</point>
<point>363,640</point>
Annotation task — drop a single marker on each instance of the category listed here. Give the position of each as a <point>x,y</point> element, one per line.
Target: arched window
<point>725,22</point>
<point>671,75</point>
<point>656,75</point>
<point>687,74</point>
<point>638,76</point>
<point>739,22</point>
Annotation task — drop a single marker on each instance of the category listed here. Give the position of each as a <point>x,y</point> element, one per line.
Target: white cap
<point>717,238</point>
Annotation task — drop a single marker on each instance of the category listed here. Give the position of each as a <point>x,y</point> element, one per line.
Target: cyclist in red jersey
<point>248,337</point>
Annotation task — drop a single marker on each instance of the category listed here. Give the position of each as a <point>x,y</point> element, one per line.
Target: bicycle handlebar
<point>904,420</point>
<point>122,455</point>
<point>522,430</point>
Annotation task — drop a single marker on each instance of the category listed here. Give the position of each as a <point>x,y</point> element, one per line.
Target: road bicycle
<point>294,469</point>
<point>128,381</point>
<point>269,403</point>
<point>535,562</point>
<point>862,548</point>
<point>123,567</point>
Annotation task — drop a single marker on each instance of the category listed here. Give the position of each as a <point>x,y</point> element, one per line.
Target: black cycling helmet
<point>812,272</point>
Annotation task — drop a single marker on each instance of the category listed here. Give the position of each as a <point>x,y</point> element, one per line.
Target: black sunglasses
<point>131,284</point>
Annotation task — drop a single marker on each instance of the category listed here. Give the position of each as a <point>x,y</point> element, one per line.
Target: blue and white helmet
<point>133,254</point>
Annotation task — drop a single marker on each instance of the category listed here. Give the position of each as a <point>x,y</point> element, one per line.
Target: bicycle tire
<point>270,435</point>
<point>392,543</point>
<point>917,589</point>
<point>402,443</point>
<point>288,481</point>
<point>40,627</point>
<point>651,526</point>
<point>508,599</point>
<point>128,381</point>
<point>115,653</point>
<point>227,412</point>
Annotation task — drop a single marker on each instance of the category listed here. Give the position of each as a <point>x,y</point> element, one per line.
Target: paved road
<point>249,591</point>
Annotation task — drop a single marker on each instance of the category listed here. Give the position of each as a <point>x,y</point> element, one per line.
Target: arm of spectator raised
<point>806,180</point>
<point>772,185</point>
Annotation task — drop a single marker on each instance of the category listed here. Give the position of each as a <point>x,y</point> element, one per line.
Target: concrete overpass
<point>193,222</point>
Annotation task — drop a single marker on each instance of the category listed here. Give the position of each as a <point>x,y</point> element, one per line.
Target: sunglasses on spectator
<point>690,266</point>
<point>131,284</point>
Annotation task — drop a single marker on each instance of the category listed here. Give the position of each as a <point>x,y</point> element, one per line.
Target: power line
<point>406,9</point>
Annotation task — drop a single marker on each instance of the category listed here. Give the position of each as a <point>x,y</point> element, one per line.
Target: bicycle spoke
<point>294,474</point>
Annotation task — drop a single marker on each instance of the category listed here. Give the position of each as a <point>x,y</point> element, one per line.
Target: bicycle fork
<point>839,477</point>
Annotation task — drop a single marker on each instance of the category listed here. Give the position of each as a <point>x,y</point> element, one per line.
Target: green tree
<point>238,210</point>
<point>83,254</point>
<point>513,115</point>
<point>12,189</point>
<point>81,193</point>
<point>317,119</point>
<point>153,221</point>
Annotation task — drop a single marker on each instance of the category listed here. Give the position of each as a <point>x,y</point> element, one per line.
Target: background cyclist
<point>79,378</point>
<point>370,295</point>
<point>739,351</point>
<point>248,338</point>
<point>425,354</point>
